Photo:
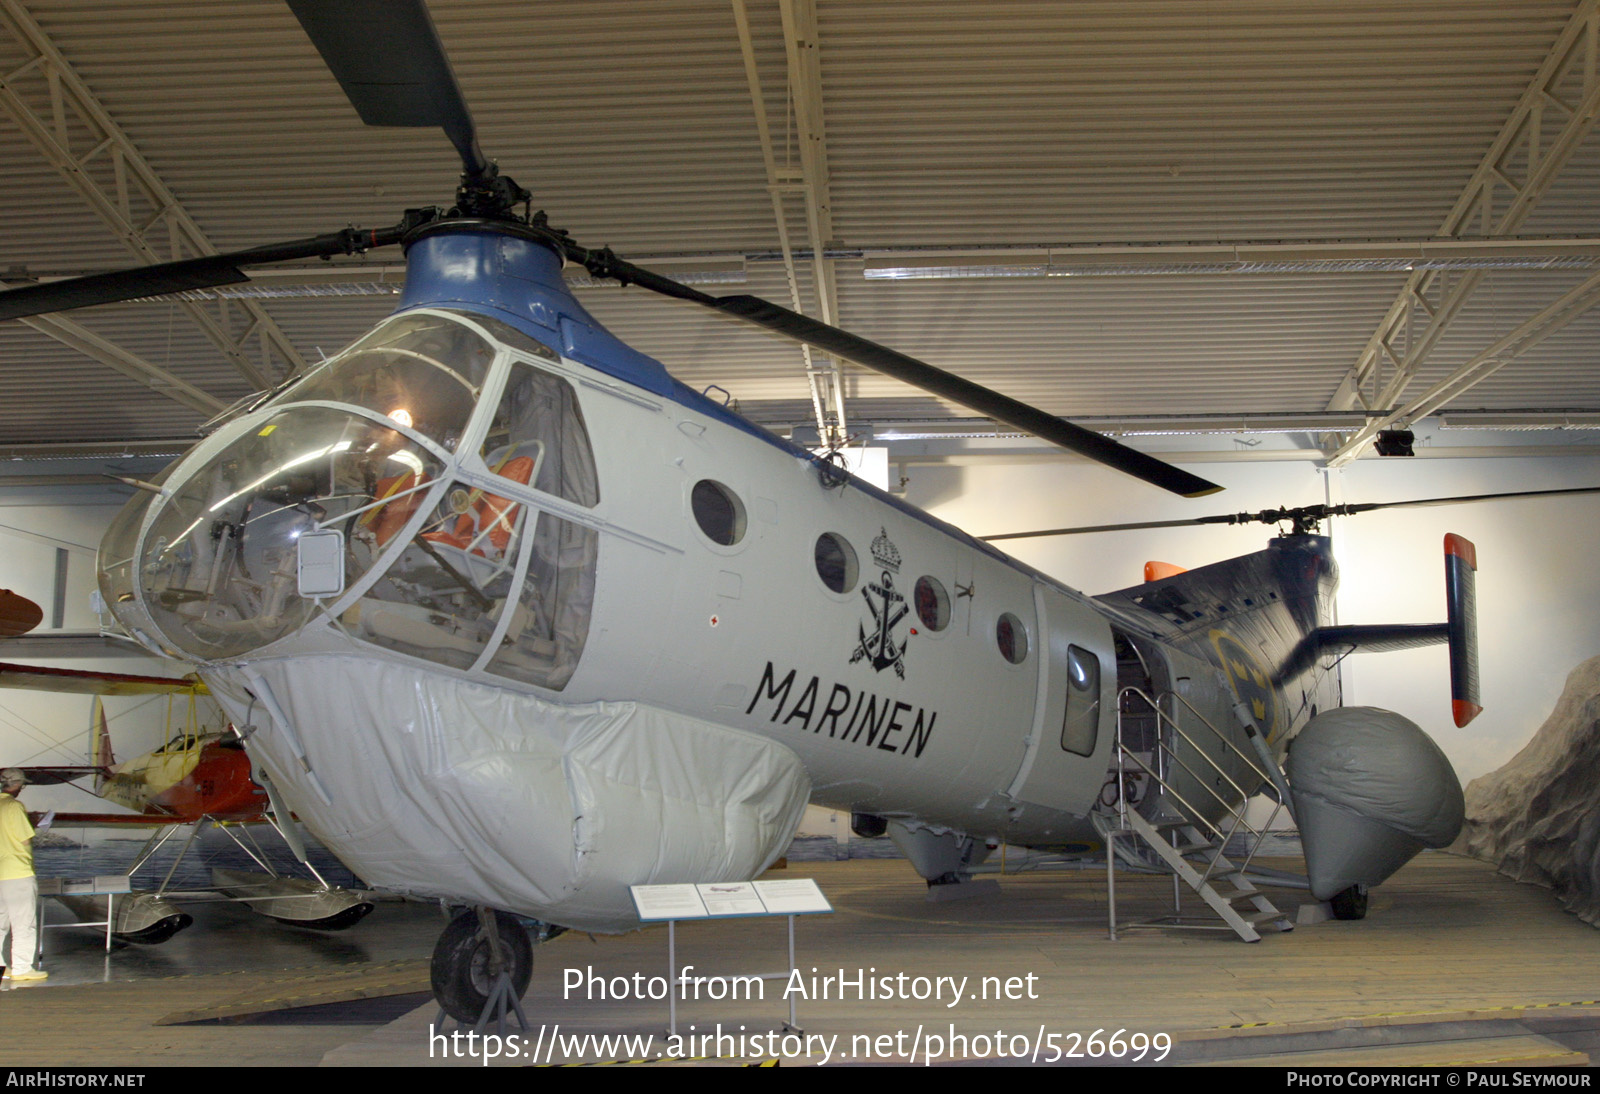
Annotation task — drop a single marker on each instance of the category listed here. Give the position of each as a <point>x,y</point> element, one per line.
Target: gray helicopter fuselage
<point>588,629</point>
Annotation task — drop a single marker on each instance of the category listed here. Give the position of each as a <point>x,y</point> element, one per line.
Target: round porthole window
<point>933,603</point>
<point>718,512</point>
<point>1012,639</point>
<point>836,562</point>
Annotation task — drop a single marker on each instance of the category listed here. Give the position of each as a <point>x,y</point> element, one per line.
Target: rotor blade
<point>185,276</point>
<point>986,401</point>
<point>868,354</point>
<point>1315,513</point>
<point>387,56</point>
<point>1363,507</point>
<point>109,288</point>
<point>1099,528</point>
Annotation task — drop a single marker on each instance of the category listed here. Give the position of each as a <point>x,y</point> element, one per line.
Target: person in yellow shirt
<point>19,889</point>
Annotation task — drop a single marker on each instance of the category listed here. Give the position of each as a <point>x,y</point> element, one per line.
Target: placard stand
<point>109,886</point>
<point>726,900</point>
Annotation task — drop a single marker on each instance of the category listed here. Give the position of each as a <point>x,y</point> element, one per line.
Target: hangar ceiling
<point>1182,209</point>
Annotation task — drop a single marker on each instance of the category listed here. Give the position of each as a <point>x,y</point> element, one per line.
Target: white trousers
<point>19,906</point>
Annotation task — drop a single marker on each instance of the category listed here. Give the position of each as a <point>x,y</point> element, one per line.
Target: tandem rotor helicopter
<point>512,618</point>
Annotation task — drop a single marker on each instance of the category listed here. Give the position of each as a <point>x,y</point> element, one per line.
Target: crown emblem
<point>884,552</point>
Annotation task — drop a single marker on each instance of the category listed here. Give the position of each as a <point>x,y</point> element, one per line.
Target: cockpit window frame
<point>466,467</point>
<point>371,343</point>
<point>463,466</point>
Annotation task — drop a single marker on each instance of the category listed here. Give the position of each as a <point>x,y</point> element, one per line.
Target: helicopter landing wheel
<point>464,971</point>
<point>1350,903</point>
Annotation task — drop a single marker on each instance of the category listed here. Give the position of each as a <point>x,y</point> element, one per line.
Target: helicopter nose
<point>117,567</point>
<point>208,566</point>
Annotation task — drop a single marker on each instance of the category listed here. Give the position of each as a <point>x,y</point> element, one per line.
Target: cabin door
<point>1074,715</point>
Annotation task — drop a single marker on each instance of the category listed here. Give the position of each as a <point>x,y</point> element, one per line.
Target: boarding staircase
<point>1154,818</point>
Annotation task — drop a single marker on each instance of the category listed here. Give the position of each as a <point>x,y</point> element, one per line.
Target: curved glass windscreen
<point>538,437</point>
<point>476,557</point>
<point>219,565</point>
<point>115,565</point>
<point>422,371</point>
<point>304,500</point>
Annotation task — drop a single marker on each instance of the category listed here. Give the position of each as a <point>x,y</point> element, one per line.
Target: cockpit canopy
<point>395,491</point>
<point>422,371</point>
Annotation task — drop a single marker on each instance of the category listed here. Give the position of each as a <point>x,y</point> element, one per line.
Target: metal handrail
<point>1165,760</point>
<point>1199,817</point>
<point>1237,751</point>
<point>1256,846</point>
<point>1187,770</point>
<point>1164,756</point>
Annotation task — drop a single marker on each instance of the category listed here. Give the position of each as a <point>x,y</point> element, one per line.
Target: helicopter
<point>514,619</point>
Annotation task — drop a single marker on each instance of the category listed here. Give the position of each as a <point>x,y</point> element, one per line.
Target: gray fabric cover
<point>1381,766</point>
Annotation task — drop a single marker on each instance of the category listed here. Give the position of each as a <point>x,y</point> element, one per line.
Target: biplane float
<point>198,780</point>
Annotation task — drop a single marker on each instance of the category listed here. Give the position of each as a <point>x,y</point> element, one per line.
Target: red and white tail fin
<point>100,744</point>
<point>1461,596</point>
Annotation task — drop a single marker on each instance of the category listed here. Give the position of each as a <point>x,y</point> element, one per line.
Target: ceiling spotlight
<point>1395,442</point>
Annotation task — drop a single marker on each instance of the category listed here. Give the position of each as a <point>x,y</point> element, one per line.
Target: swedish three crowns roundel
<point>1251,683</point>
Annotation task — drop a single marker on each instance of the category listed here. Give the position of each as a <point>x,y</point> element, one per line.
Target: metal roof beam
<point>1221,257</point>
<point>1485,364</point>
<point>126,193</point>
<point>1532,147</point>
<point>130,364</point>
<point>777,186</point>
<point>805,95</point>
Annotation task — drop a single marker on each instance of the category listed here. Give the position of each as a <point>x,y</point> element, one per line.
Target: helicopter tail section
<point>1460,631</point>
<point>1460,579</point>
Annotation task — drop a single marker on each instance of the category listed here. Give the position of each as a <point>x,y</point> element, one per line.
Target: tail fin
<point>100,744</point>
<point>1461,595</point>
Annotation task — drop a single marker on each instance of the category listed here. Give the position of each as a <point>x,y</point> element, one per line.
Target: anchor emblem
<point>877,642</point>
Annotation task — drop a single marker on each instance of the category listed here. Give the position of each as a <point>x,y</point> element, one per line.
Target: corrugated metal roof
<point>949,125</point>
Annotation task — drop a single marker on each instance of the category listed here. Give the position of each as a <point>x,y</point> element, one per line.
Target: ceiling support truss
<point>824,375</point>
<point>130,364</point>
<point>1500,353</point>
<point>69,127</point>
<point>1556,112</point>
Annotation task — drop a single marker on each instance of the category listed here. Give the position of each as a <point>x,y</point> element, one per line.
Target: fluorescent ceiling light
<point>1348,265</point>
<point>1169,259</point>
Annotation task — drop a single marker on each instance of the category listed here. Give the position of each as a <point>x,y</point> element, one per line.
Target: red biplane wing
<point>116,820</point>
<point>141,820</point>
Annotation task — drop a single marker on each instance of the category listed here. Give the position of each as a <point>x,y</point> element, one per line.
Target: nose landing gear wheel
<point>482,958</point>
<point>1350,903</point>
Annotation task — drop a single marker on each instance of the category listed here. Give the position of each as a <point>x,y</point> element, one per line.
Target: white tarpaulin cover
<point>444,787</point>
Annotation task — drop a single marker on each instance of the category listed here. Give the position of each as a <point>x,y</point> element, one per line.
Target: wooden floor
<point>1454,965</point>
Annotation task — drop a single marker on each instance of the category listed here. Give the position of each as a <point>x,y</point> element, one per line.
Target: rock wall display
<point>1538,817</point>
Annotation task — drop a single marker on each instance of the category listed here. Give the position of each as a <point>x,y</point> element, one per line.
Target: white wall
<point>31,535</point>
<point>41,728</point>
<point>1538,581</point>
